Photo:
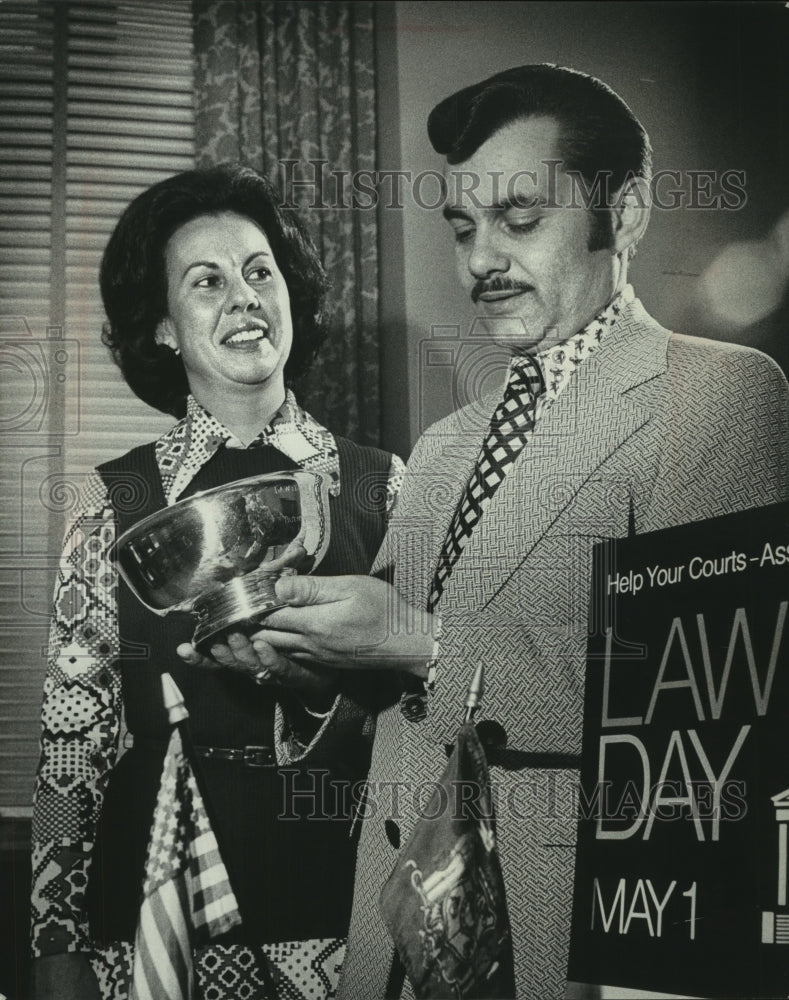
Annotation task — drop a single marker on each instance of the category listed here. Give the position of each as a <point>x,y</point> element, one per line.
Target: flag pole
<point>476,689</point>
<point>178,717</point>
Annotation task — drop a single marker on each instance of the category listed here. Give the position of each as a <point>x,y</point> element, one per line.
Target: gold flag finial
<point>475,691</point>
<point>173,701</point>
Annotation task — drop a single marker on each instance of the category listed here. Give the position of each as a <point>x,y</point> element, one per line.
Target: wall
<point>709,83</point>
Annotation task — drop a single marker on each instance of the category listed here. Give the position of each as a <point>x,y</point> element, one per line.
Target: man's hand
<point>68,976</point>
<point>347,621</point>
<point>265,665</point>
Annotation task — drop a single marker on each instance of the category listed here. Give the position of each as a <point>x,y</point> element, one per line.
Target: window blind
<point>95,105</point>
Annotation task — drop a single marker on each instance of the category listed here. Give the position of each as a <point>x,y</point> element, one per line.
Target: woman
<point>214,297</point>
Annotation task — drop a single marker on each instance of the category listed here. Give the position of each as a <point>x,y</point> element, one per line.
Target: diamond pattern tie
<point>510,426</point>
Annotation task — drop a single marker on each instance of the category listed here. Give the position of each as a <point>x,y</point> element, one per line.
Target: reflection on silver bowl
<point>218,554</point>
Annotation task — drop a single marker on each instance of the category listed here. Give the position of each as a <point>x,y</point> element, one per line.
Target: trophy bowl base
<point>240,605</point>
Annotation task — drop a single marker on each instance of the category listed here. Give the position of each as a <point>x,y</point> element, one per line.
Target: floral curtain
<point>282,86</point>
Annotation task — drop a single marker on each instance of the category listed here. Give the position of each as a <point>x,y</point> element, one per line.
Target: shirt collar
<point>194,440</point>
<point>559,362</point>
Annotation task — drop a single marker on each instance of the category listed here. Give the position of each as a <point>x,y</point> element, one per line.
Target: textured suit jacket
<point>655,429</point>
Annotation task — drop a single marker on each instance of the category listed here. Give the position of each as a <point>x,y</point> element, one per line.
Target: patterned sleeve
<point>394,482</point>
<point>79,725</point>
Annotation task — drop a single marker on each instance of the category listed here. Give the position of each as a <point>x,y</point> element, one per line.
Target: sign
<point>682,880</point>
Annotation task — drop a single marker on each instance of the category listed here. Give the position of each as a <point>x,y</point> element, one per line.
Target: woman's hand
<point>316,684</point>
<point>69,976</point>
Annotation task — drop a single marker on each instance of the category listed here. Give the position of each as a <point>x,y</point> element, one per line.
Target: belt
<point>249,756</point>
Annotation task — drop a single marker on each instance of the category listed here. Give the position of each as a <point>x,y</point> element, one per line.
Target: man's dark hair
<point>133,275</point>
<point>599,135</point>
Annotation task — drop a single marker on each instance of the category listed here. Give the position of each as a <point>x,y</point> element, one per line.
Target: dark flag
<point>444,903</point>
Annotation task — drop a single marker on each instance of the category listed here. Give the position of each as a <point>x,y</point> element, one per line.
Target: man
<point>608,425</point>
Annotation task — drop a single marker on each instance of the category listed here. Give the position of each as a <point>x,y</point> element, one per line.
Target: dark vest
<point>284,833</point>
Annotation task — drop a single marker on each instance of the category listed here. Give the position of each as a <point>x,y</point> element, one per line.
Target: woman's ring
<point>263,676</point>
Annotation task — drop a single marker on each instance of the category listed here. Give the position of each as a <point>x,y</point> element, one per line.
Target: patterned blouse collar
<point>193,441</point>
<point>560,361</point>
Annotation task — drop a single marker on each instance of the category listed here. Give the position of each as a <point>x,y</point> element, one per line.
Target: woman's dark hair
<point>601,138</point>
<point>133,275</point>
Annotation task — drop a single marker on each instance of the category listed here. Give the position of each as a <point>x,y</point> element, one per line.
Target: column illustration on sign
<point>775,926</point>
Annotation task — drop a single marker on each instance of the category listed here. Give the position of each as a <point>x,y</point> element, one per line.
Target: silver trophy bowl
<point>219,553</point>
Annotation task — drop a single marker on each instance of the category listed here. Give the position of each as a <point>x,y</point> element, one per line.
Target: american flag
<point>187,896</point>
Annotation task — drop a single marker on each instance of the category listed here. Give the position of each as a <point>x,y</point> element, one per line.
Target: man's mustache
<point>498,285</point>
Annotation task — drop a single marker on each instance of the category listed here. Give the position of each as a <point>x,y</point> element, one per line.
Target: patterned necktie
<point>510,427</point>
